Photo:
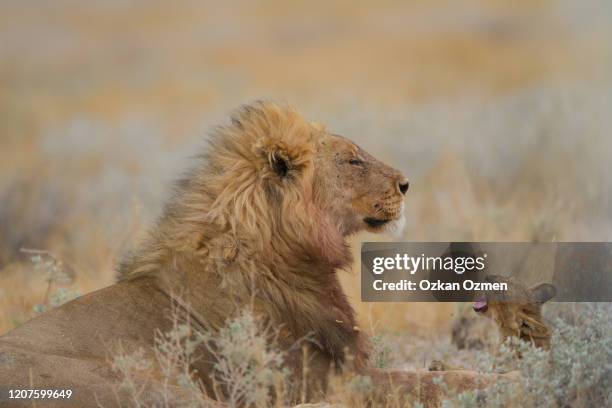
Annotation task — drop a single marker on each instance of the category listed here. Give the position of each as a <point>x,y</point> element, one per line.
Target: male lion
<point>261,221</point>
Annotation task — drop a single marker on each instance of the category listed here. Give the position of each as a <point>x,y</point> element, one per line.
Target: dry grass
<point>497,111</point>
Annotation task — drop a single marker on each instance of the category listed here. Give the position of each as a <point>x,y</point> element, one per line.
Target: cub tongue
<point>480,305</point>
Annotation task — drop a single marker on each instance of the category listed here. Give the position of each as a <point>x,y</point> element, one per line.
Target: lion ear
<point>282,159</point>
<point>280,164</point>
<point>277,157</point>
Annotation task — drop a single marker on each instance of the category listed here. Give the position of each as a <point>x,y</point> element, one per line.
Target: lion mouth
<point>376,222</point>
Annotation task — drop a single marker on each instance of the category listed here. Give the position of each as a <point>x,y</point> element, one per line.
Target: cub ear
<point>543,292</point>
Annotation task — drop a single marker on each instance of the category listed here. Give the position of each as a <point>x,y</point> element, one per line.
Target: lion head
<point>281,185</point>
<point>517,311</point>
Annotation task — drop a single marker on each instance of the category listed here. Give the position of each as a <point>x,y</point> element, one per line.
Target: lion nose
<point>403,186</point>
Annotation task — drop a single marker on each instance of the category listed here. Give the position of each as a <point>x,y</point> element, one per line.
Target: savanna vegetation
<point>497,111</point>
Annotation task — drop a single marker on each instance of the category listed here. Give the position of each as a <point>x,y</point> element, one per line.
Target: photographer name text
<point>424,284</point>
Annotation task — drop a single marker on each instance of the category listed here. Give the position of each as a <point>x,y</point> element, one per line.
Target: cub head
<point>517,311</point>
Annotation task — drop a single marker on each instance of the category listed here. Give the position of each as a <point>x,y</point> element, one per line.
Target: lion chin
<point>396,228</point>
<point>392,226</point>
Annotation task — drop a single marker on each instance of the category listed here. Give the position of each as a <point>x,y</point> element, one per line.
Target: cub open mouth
<point>480,306</point>
<point>375,222</point>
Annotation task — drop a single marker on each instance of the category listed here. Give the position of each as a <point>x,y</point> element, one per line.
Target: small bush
<point>381,355</point>
<point>248,366</point>
<point>248,371</point>
<point>55,273</point>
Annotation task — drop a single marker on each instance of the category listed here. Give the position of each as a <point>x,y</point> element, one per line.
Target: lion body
<point>71,347</point>
<point>261,223</point>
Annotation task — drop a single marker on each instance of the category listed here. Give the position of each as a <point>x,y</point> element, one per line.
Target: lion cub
<point>517,312</point>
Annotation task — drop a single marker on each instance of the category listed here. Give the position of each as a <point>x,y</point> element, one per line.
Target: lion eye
<point>356,162</point>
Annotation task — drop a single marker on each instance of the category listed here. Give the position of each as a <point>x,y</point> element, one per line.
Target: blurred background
<point>498,111</point>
